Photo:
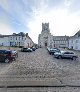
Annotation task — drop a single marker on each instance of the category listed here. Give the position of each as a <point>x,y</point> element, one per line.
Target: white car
<point>66,54</point>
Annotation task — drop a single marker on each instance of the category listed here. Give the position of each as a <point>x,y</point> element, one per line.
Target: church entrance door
<point>45,44</point>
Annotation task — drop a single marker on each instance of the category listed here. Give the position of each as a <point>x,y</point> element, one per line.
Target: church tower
<point>45,27</point>
<point>45,36</point>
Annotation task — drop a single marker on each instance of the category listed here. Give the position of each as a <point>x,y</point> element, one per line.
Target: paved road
<point>4,67</point>
<point>39,65</point>
<point>40,68</point>
<point>40,89</point>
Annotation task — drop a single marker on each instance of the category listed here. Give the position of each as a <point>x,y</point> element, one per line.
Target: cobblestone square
<point>40,68</point>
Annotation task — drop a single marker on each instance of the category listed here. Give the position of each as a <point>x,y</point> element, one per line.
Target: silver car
<point>65,54</point>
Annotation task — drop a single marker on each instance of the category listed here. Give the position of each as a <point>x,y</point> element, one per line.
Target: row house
<point>60,41</point>
<point>74,41</point>
<point>21,40</point>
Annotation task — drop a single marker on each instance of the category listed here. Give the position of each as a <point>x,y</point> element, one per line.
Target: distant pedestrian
<point>9,48</point>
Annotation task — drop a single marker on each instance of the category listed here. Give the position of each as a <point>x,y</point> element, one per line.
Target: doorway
<point>45,44</point>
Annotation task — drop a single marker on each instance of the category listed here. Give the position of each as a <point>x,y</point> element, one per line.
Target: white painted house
<point>20,39</point>
<point>4,40</point>
<point>74,41</point>
<point>28,42</point>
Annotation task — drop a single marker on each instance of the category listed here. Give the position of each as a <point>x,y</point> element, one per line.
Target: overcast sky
<point>27,16</point>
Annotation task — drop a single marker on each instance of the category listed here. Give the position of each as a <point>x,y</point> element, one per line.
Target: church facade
<point>45,39</point>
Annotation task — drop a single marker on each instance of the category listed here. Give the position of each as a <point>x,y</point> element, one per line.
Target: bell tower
<point>45,37</point>
<point>45,27</point>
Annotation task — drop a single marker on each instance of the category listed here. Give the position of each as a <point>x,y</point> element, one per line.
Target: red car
<point>8,55</point>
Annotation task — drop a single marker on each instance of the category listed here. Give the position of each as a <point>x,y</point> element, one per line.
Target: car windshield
<point>33,36</point>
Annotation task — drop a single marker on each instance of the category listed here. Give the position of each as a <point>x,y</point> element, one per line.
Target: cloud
<point>61,23</point>
<point>28,15</point>
<point>5,5</point>
<point>68,2</point>
<point>74,6</point>
<point>16,13</point>
<point>5,29</point>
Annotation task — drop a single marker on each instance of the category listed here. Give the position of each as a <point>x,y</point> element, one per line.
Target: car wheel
<point>59,57</point>
<point>74,58</point>
<point>7,60</point>
<point>50,53</point>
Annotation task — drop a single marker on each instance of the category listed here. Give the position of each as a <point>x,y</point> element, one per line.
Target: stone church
<point>45,38</point>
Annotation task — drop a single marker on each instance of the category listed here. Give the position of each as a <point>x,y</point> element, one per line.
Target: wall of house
<point>28,43</point>
<point>4,41</point>
<point>60,41</point>
<point>16,40</point>
<point>74,43</point>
